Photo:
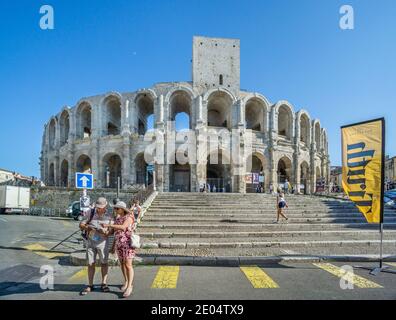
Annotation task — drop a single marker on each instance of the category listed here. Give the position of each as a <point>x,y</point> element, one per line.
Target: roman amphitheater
<point>107,134</point>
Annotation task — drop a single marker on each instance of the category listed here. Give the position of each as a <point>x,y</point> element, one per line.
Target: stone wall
<point>60,198</point>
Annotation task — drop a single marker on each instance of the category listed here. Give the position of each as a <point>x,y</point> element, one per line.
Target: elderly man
<point>97,243</point>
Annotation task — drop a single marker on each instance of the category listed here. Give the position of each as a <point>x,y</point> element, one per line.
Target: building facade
<point>107,134</point>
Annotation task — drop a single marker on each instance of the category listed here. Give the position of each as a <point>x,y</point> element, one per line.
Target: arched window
<point>64,128</point>
<point>285,122</point>
<point>112,115</point>
<point>146,117</point>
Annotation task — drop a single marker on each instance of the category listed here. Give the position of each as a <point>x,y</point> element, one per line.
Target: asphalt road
<point>24,240</point>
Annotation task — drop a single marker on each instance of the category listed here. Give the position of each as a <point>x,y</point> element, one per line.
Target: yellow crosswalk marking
<point>39,249</point>
<point>347,275</point>
<point>393,264</point>
<point>166,278</point>
<point>82,275</point>
<point>66,223</point>
<point>258,278</point>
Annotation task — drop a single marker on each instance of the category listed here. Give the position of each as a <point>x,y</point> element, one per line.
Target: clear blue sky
<point>291,50</point>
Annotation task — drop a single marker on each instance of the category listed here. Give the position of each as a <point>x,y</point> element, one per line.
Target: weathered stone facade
<point>104,134</point>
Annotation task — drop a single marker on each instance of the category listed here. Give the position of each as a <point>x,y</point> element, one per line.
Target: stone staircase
<point>230,224</point>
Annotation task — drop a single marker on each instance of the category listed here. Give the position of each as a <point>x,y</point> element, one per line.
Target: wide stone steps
<point>349,234</point>
<point>209,212</point>
<point>261,226</point>
<point>240,220</point>
<point>259,243</point>
<point>243,224</point>
<point>247,214</point>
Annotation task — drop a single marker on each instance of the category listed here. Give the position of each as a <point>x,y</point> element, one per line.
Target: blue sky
<point>292,50</point>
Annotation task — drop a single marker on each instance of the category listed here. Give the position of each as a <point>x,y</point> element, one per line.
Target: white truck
<point>14,199</point>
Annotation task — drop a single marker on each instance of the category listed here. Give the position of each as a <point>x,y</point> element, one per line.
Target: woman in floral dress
<point>123,231</point>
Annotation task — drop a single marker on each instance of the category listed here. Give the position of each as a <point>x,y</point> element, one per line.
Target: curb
<point>79,260</point>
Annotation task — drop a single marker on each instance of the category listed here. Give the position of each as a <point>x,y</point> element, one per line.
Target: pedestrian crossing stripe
<point>166,277</point>
<point>258,278</point>
<point>82,274</point>
<point>67,223</point>
<point>358,281</point>
<point>40,250</point>
<point>393,264</point>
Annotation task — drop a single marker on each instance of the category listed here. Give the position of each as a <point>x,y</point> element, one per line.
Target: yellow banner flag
<point>363,166</point>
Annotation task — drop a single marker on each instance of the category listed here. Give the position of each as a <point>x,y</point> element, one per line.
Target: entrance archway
<point>255,167</point>
<point>64,174</point>
<point>218,173</point>
<point>143,175</point>
<point>51,176</point>
<point>284,170</point>
<point>180,177</point>
<point>113,170</point>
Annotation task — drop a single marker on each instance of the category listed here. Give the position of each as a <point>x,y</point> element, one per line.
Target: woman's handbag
<point>135,241</point>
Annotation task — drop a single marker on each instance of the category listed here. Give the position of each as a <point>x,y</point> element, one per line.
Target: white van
<point>14,199</point>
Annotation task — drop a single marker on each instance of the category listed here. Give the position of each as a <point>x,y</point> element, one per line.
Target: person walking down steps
<point>280,205</point>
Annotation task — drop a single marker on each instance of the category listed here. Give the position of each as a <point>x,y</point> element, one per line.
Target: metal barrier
<point>144,193</point>
<point>46,212</point>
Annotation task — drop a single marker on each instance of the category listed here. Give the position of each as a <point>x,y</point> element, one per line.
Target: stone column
<point>272,166</point>
<point>94,153</point>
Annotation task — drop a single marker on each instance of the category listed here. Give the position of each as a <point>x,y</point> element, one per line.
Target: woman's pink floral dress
<point>123,240</point>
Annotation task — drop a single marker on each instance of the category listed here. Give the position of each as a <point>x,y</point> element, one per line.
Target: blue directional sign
<point>84,180</point>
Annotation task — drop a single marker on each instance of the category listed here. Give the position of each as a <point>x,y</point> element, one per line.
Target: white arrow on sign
<point>84,180</point>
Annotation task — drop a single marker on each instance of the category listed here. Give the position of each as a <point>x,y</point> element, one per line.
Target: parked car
<point>388,201</point>
<point>74,211</point>
<point>390,195</point>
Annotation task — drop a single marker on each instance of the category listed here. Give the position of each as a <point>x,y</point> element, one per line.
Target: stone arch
<point>219,106</point>
<point>143,177</point>
<point>316,134</point>
<point>64,122</point>
<point>84,164</point>
<point>51,174</point>
<point>52,133</point>
<point>304,127</point>
<point>145,110</point>
<point>84,120</point>
<point>221,89</point>
<point>112,165</point>
<point>256,110</point>
<point>112,114</point>
<point>64,173</point>
<point>284,111</point>
<point>255,164</point>
<point>180,102</point>
<point>284,169</point>
<point>180,176</point>
<point>218,171</point>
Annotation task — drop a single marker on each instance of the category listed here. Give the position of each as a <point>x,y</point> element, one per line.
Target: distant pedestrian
<point>123,230</point>
<point>286,186</point>
<point>280,205</point>
<point>137,210</point>
<point>271,188</point>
